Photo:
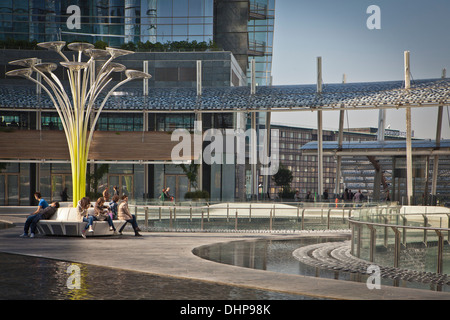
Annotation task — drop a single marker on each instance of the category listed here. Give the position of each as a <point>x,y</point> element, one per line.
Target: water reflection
<point>31,278</point>
<point>276,255</point>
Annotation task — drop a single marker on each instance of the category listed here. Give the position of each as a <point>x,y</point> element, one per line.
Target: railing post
<point>448,226</point>
<point>236,221</point>
<point>146,217</point>
<point>405,221</point>
<point>358,244</point>
<point>372,243</point>
<point>160,213</point>
<point>440,251</point>
<point>201,222</point>
<point>352,245</point>
<point>396,247</point>
<point>349,215</point>
<point>228,212</point>
<point>303,219</point>
<point>386,237</point>
<point>170,218</point>
<point>250,213</point>
<point>190,212</point>
<point>270,221</point>
<point>328,219</point>
<point>425,223</point>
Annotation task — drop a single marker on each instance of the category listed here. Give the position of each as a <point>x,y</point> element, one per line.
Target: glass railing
<point>245,216</point>
<point>413,238</point>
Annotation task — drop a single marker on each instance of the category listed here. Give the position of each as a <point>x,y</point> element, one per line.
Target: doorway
<point>124,183</point>
<point>178,184</point>
<point>59,183</point>
<point>9,189</point>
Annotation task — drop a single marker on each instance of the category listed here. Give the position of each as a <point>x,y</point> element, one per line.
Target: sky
<point>337,31</point>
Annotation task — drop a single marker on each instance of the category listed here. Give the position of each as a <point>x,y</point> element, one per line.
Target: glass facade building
<point>118,22</point>
<point>260,39</point>
<point>113,21</point>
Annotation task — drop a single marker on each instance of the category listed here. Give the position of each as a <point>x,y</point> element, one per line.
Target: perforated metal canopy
<point>21,94</point>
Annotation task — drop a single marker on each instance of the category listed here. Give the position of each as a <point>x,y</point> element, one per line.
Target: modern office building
<point>134,142</point>
<point>304,165</point>
<point>243,27</point>
<point>240,30</point>
<point>377,168</point>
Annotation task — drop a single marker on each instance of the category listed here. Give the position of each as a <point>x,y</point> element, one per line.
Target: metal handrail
<point>297,211</point>
<point>352,220</point>
<point>395,227</point>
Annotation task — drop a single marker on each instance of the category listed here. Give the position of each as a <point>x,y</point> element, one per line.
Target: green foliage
<point>94,178</point>
<point>196,195</point>
<point>283,178</point>
<point>147,46</point>
<point>169,46</point>
<point>191,172</point>
<point>100,44</point>
<point>286,194</point>
<point>11,43</point>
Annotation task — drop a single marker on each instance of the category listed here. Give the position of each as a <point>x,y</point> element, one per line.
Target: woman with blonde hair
<point>82,210</point>
<point>101,213</point>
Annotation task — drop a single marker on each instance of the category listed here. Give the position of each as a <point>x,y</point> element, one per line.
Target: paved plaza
<point>170,254</point>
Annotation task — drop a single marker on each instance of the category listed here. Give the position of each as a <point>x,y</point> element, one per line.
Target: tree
<point>94,179</point>
<point>191,172</point>
<point>283,179</point>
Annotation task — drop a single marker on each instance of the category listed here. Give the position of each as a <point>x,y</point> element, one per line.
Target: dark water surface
<point>29,278</point>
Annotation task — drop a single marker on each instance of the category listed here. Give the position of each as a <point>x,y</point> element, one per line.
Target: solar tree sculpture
<point>85,86</point>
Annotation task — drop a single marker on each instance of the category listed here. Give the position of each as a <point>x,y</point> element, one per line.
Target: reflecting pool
<point>276,255</point>
<point>32,278</point>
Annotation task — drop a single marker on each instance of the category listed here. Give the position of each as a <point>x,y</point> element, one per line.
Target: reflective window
<point>196,8</point>
<point>120,122</point>
<point>180,8</point>
<point>113,21</point>
<point>174,121</point>
<point>164,8</point>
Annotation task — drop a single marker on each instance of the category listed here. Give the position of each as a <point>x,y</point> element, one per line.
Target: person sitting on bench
<point>43,214</point>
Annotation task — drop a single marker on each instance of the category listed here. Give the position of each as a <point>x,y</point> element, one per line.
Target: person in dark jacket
<point>43,214</point>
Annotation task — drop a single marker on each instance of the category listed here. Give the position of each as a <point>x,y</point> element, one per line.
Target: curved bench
<point>65,223</point>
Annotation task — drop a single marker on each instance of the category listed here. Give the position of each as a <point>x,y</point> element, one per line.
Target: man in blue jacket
<point>32,220</point>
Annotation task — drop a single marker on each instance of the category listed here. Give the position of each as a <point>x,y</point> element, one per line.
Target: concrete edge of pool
<point>170,254</point>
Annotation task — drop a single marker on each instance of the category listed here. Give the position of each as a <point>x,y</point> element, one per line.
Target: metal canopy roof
<point>21,94</point>
<point>380,148</point>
